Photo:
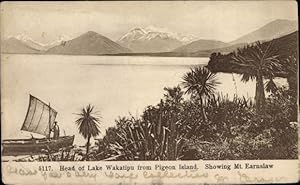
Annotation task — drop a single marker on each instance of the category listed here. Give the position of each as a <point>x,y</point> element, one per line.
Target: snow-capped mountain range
<point>143,40</point>
<point>151,32</point>
<point>152,39</point>
<point>149,39</point>
<point>37,45</point>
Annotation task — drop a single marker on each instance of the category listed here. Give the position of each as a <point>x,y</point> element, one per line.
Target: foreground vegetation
<point>193,122</point>
<point>176,129</point>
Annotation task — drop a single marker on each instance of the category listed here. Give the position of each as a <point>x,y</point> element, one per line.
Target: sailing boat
<point>39,119</point>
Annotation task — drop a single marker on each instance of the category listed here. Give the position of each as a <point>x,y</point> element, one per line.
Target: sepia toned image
<point>149,81</point>
<point>148,93</point>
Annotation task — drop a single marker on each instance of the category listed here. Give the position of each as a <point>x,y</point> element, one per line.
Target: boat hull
<point>15,147</point>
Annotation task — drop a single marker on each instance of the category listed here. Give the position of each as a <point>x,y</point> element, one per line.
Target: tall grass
<point>233,130</point>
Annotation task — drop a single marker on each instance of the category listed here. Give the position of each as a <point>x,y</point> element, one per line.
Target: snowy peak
<point>153,39</point>
<point>25,39</point>
<point>29,42</point>
<point>138,31</point>
<point>134,34</point>
<point>152,32</point>
<point>163,32</point>
<point>152,35</point>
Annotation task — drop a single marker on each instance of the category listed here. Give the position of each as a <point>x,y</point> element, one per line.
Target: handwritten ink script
<point>212,172</point>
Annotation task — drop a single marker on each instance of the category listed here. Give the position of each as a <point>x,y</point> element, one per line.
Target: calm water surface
<point>116,85</point>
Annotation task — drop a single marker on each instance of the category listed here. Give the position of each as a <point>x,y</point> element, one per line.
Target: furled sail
<point>39,118</point>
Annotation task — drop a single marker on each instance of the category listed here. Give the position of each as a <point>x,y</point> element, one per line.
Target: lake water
<point>115,85</point>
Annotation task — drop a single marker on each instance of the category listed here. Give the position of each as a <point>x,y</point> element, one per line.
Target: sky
<point>48,21</point>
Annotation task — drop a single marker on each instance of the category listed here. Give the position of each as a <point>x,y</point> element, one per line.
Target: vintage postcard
<point>149,92</point>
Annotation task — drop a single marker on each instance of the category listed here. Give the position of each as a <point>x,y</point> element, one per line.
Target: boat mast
<point>49,121</point>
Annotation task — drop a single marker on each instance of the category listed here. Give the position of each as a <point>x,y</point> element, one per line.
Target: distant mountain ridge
<point>37,45</point>
<point>150,32</point>
<point>30,42</point>
<point>153,39</point>
<point>274,29</point>
<point>89,43</point>
<point>15,46</point>
<point>201,45</point>
<point>145,40</point>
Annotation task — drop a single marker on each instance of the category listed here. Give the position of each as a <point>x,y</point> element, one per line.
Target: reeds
<point>141,140</point>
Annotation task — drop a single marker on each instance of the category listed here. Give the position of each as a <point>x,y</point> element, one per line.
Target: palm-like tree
<point>88,125</point>
<point>258,61</point>
<point>200,83</point>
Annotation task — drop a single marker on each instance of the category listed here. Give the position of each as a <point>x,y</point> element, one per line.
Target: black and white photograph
<point>149,81</point>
